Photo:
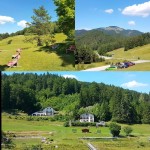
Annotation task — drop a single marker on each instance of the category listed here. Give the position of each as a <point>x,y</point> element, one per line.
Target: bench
<point>12,63</point>
<point>16,56</point>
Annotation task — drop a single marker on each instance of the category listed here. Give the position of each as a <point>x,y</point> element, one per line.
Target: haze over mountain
<point>112,30</point>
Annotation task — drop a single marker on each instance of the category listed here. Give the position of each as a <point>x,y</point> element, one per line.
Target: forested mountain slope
<point>112,30</point>
<point>107,39</point>
<point>31,92</point>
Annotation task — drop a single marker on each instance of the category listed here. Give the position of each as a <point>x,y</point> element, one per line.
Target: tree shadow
<point>3,67</point>
<point>132,135</point>
<point>25,48</point>
<point>60,50</point>
<point>122,136</point>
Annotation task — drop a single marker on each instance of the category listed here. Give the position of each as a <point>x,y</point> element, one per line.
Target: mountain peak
<point>115,28</point>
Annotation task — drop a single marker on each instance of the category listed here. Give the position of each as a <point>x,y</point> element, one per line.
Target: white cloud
<point>70,76</point>
<point>109,11</point>
<point>6,19</point>
<point>134,84</point>
<point>132,23</point>
<point>142,10</point>
<point>22,23</point>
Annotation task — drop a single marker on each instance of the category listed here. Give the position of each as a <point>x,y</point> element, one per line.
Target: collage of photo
<point>75,74</point>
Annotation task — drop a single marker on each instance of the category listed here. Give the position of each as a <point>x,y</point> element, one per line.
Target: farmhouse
<point>45,112</point>
<point>86,117</point>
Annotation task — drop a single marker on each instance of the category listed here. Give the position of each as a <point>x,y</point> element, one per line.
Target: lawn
<point>142,52</point>
<point>66,139</point>
<point>34,57</point>
<point>88,66</point>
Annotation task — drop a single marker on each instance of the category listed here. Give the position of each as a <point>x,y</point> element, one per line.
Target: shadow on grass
<point>122,136</point>
<point>25,48</point>
<point>3,67</point>
<point>60,50</point>
<point>133,136</point>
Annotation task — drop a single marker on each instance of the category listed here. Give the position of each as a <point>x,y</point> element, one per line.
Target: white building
<point>86,117</point>
<point>45,112</point>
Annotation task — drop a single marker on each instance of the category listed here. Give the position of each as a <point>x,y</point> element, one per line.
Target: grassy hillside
<point>34,57</point>
<point>142,52</point>
<point>119,55</point>
<point>66,139</point>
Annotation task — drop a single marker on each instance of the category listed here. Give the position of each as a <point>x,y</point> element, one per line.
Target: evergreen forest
<point>102,42</point>
<point>30,92</point>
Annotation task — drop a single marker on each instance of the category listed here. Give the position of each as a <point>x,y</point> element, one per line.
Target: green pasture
<point>142,52</point>
<point>88,66</point>
<point>66,139</point>
<point>35,58</point>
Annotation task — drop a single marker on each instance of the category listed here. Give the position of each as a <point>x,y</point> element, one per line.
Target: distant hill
<point>112,30</point>
<point>98,40</point>
<point>109,38</point>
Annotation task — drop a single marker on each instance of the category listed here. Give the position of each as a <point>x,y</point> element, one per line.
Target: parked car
<point>131,63</point>
<point>121,65</point>
<point>111,68</point>
<point>126,64</point>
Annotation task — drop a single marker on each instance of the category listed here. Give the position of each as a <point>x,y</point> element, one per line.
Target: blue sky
<point>13,12</point>
<point>138,81</point>
<point>128,14</point>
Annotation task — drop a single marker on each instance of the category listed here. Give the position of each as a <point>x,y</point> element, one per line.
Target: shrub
<point>83,124</point>
<point>114,129</point>
<point>6,140</point>
<point>9,117</point>
<point>127,130</point>
<point>66,124</point>
<point>9,42</point>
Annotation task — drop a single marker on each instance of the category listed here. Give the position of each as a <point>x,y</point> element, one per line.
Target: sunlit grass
<point>66,138</point>
<point>142,52</point>
<point>34,57</point>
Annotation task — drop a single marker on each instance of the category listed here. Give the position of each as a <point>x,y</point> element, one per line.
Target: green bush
<point>114,129</point>
<point>83,124</point>
<point>9,42</point>
<point>66,124</point>
<point>127,130</point>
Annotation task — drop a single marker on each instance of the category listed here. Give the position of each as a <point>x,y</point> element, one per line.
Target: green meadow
<point>142,52</point>
<point>65,139</point>
<point>34,57</point>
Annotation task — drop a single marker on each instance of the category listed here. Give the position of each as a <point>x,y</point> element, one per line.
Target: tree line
<point>136,41</point>
<point>31,92</point>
